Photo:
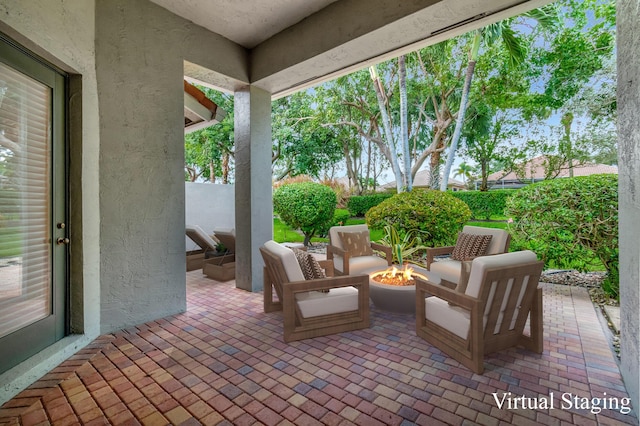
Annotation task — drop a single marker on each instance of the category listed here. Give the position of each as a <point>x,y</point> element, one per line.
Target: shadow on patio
<point>223,361</point>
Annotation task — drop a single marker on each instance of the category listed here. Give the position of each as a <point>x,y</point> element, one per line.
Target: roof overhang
<point>199,111</point>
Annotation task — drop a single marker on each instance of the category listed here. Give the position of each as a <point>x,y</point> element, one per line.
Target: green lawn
<point>498,225</point>
<point>10,242</point>
<point>282,233</point>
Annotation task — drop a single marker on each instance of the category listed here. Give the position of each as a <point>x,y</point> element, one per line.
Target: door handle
<point>61,241</point>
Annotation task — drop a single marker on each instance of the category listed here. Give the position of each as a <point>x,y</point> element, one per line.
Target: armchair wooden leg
<point>535,341</point>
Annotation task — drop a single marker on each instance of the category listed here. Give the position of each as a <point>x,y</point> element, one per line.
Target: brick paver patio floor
<point>223,362</point>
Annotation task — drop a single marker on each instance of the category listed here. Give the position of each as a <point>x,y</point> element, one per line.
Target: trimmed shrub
<point>569,222</point>
<point>358,205</point>
<point>484,204</point>
<point>340,217</point>
<point>307,206</point>
<point>437,216</point>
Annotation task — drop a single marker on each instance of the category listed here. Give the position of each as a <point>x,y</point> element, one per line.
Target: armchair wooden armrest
<point>432,252</point>
<point>427,288</point>
<point>385,249</point>
<point>327,265</point>
<point>361,282</point>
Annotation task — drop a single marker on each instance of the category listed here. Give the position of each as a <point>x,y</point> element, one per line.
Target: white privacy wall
<point>210,206</point>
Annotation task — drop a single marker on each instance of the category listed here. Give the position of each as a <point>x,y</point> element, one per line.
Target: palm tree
<point>466,171</point>
<point>546,16</point>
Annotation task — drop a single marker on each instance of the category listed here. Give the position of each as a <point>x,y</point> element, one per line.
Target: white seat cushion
<point>447,270</point>
<point>361,264</point>
<point>452,318</point>
<point>315,303</point>
<point>288,258</point>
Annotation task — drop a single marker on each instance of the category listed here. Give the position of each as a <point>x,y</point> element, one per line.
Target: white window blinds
<point>25,197</point>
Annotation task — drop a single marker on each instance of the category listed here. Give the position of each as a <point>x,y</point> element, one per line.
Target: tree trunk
<point>462,110</point>
<point>386,124</point>
<point>212,172</point>
<point>225,168</point>
<point>485,174</point>
<point>566,121</point>
<point>434,166</point>
<point>404,128</point>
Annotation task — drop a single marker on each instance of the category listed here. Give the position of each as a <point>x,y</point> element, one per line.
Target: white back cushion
<point>289,261</point>
<point>497,242</point>
<point>335,238</point>
<point>480,264</point>
<point>200,237</point>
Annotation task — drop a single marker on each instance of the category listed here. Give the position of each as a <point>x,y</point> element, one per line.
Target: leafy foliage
<point>483,204</point>
<point>437,216</point>
<point>209,152</point>
<point>404,244</point>
<point>301,145</point>
<point>308,206</point>
<point>358,205</point>
<point>570,221</point>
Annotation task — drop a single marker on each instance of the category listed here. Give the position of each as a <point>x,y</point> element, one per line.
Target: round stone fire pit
<point>395,298</point>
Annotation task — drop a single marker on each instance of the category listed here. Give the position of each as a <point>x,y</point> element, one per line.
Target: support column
<point>629,194</point>
<point>254,201</point>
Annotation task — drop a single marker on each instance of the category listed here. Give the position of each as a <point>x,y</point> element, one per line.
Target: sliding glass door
<point>33,206</point>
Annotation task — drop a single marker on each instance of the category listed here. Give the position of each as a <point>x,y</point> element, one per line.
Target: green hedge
<point>436,216</point>
<point>359,205</point>
<point>484,204</point>
<point>568,222</point>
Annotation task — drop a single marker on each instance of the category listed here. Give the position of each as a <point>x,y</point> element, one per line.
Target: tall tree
<point>404,126</point>
<point>516,48</point>
<point>301,145</point>
<point>383,105</point>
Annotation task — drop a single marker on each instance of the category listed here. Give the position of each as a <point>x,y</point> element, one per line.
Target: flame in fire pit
<point>395,276</point>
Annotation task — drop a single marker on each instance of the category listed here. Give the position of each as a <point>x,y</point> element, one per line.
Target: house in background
<point>423,179</point>
<point>535,170</point>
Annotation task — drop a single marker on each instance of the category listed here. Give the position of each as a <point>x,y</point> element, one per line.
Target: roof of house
<point>534,169</point>
<point>423,179</point>
<point>199,111</point>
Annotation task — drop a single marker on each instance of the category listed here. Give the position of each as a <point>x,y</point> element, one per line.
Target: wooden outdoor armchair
<point>307,310</point>
<point>490,315</point>
<point>348,262</point>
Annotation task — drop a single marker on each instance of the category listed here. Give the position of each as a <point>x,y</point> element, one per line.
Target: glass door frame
<point>26,342</point>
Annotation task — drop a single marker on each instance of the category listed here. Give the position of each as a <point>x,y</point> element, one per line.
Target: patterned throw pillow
<point>356,243</point>
<point>310,267</point>
<point>469,246</point>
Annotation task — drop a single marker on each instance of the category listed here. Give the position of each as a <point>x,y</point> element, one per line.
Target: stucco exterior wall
<point>210,206</point>
<point>629,192</point>
<point>127,149</point>
<point>62,32</point>
<point>140,52</point>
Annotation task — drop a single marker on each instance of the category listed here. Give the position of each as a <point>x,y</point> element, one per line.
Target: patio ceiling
<point>296,44</point>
